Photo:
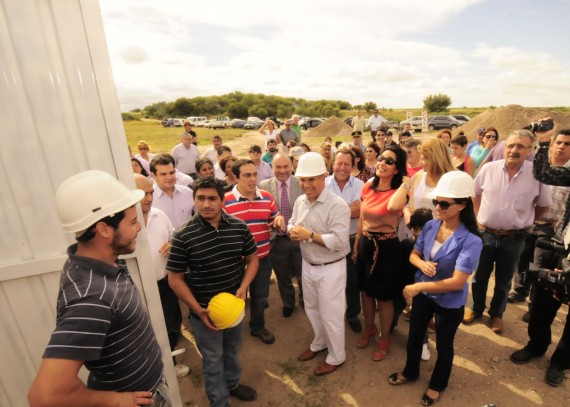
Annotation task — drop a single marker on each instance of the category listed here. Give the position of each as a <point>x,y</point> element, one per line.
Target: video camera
<point>559,283</point>
<point>541,125</point>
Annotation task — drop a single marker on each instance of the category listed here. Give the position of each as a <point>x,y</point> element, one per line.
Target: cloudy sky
<point>392,52</point>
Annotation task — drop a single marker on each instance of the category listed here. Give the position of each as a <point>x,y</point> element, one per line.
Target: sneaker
<point>426,354</point>
<point>523,356</point>
<point>265,336</point>
<point>554,376</point>
<point>515,297</point>
<point>471,316</point>
<point>182,370</point>
<point>243,393</point>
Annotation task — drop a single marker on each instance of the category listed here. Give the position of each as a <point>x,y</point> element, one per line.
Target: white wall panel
<point>60,116</point>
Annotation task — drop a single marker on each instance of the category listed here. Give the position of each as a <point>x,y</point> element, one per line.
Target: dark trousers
<point>542,314</point>
<point>171,311</point>
<point>353,306</point>
<point>447,321</point>
<point>286,259</point>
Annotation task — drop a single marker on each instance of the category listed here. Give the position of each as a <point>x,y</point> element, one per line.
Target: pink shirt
<point>509,205</point>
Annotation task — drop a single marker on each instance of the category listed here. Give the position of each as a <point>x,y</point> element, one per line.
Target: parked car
<point>415,121</point>
<point>206,124</point>
<point>178,122</point>
<point>238,123</point>
<point>168,122</point>
<point>275,120</point>
<point>253,123</point>
<point>310,123</point>
<point>196,121</point>
<point>443,122</point>
<point>220,122</point>
<point>462,117</point>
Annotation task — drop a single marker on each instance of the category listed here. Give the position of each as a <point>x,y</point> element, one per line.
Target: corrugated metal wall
<point>60,116</point>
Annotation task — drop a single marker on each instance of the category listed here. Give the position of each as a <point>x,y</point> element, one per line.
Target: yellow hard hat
<point>226,310</point>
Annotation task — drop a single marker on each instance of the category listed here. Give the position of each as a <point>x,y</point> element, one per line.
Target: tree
<point>370,106</point>
<point>437,103</point>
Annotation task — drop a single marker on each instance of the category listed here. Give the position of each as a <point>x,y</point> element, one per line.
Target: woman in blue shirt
<point>446,253</point>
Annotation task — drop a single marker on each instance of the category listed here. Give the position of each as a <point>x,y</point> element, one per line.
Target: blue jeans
<point>220,362</point>
<point>502,252</point>
<point>258,294</point>
<point>353,307</point>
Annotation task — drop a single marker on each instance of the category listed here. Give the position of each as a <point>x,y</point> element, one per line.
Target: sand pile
<point>332,127</point>
<point>511,117</point>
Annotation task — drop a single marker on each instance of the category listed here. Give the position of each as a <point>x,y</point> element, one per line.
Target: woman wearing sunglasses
<point>478,153</point>
<point>376,250</point>
<point>446,253</point>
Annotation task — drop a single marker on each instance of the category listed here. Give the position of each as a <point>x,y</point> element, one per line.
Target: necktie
<point>285,204</point>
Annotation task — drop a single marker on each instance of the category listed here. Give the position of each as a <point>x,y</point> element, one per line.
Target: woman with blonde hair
<point>326,152</point>
<point>144,155</point>
<point>416,192</point>
<point>269,130</point>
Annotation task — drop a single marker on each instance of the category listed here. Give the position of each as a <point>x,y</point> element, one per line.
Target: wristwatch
<point>310,239</point>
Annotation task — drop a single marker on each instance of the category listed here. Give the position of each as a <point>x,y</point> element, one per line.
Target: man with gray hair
<point>320,222</point>
<point>507,200</point>
<point>288,134</point>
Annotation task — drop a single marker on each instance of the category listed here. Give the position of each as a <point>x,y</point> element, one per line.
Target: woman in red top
<point>376,250</point>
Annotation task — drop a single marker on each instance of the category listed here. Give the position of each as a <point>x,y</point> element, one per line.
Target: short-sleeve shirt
<point>461,251</point>
<point>256,214</point>
<point>508,204</point>
<point>212,258</point>
<point>102,321</point>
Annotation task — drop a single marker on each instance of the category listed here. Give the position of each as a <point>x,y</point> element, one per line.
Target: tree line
<point>242,105</point>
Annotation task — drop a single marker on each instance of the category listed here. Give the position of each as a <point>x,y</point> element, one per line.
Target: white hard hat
<point>455,184</point>
<point>311,165</point>
<point>90,196</point>
<point>296,152</point>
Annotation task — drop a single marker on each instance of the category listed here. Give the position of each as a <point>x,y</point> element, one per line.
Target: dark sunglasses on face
<point>389,160</point>
<point>443,204</point>
<point>491,137</point>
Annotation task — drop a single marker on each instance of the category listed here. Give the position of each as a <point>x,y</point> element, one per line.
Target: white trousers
<point>325,303</point>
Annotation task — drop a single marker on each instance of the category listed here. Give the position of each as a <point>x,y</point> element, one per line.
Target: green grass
<point>163,139</point>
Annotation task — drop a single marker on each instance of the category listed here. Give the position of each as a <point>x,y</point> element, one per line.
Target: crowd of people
<point>361,232</point>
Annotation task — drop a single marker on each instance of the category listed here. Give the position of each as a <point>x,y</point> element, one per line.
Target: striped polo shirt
<point>212,258</point>
<point>256,214</point>
<point>102,321</point>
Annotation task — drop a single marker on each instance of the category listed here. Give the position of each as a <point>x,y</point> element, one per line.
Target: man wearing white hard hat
<point>207,257</point>
<point>320,222</point>
<point>101,321</point>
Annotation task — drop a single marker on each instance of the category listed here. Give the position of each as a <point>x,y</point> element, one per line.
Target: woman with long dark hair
<point>377,248</point>
<point>446,254</point>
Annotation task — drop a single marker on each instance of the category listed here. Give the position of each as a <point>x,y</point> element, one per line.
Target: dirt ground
<point>482,371</point>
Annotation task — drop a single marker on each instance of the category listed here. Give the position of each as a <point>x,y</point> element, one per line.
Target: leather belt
<point>502,232</point>
<point>326,264</point>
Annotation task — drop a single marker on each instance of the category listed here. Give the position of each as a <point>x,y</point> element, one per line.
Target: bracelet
<point>356,237</point>
<point>406,186</point>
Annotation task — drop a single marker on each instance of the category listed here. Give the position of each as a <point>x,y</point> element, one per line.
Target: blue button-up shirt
<point>350,193</point>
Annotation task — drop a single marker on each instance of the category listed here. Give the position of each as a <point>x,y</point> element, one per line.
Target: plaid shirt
<point>555,176</point>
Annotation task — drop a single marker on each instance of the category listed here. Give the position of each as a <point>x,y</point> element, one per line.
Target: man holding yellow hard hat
<point>207,257</point>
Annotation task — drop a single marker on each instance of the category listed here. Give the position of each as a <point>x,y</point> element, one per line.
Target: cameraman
<point>545,305</point>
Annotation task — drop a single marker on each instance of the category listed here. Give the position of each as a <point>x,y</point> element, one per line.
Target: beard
<point>120,245</point>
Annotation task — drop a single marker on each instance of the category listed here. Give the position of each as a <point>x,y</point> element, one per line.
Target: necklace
<point>445,234</point>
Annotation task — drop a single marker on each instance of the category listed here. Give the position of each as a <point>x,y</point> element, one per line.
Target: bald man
<point>159,229</point>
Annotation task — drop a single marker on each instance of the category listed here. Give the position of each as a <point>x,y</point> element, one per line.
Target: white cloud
<point>366,50</point>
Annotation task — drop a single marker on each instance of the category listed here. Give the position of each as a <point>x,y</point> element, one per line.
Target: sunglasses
<point>442,204</point>
<point>491,137</point>
<point>142,148</point>
<point>389,160</point>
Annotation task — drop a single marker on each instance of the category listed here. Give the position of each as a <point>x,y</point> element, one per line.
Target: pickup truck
<point>220,122</point>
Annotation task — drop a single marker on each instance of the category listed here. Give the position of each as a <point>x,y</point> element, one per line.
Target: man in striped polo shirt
<point>206,258</point>
<point>101,320</point>
<point>258,210</point>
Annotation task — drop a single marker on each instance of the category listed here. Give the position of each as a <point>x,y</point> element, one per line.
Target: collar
<point>450,244</point>
<point>522,168</point>
<point>97,266</point>
<point>240,197</point>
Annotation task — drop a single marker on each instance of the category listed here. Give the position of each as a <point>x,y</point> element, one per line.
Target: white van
<point>197,121</point>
